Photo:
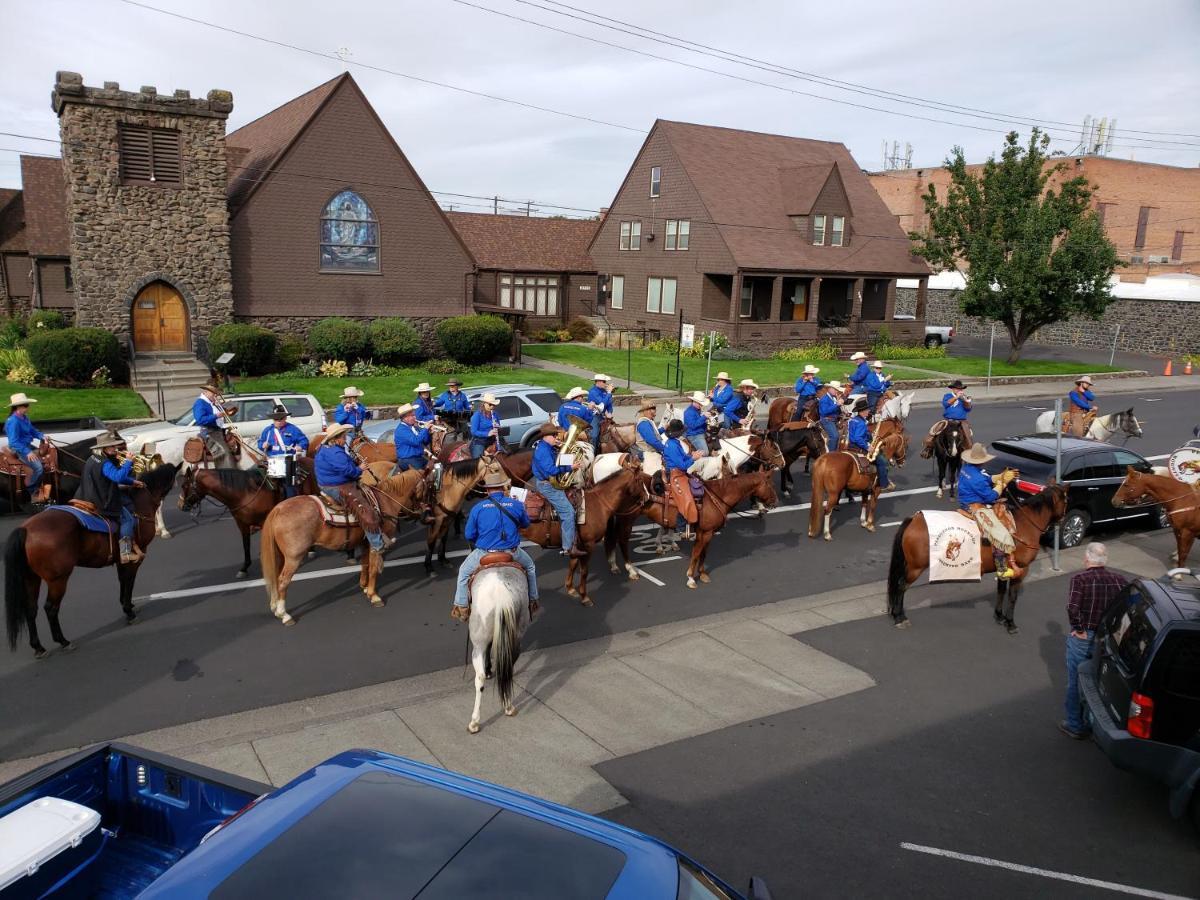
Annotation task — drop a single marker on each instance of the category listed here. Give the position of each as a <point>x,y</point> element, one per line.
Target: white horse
<point>499,617</point>
<point>898,407</point>
<point>248,459</point>
<point>1102,427</point>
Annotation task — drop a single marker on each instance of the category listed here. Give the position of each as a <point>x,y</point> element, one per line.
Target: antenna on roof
<point>894,159</point>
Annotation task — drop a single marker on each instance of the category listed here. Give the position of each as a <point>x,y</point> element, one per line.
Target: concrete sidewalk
<point>579,704</point>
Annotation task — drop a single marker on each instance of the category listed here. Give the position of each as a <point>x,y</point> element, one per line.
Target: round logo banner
<point>1184,465</point>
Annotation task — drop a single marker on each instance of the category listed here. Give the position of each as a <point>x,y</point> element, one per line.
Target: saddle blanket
<point>338,518</point>
<point>954,546</point>
<point>87,520</point>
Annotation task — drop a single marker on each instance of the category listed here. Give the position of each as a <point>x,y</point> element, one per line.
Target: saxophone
<point>578,427</point>
<point>873,449</point>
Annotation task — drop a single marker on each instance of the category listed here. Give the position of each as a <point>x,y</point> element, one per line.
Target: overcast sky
<point>1044,59</point>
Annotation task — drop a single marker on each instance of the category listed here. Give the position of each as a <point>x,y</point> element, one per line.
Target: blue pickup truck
<point>115,821</point>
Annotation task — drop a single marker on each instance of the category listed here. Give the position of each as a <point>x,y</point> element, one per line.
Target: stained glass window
<point>349,235</point>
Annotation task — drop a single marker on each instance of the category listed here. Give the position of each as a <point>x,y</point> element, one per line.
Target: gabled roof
<point>261,143</point>
<point>12,221</point>
<point>45,196</point>
<point>526,243</point>
<point>751,182</point>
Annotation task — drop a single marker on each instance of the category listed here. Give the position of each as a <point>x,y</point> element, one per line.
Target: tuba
<point>578,427</point>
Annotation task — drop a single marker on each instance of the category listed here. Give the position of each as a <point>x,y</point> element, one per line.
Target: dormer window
<point>655,180</point>
<point>818,223</point>
<point>838,232</point>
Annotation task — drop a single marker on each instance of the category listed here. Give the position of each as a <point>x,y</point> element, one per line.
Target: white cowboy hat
<point>977,455</point>
<point>351,392</point>
<point>576,392</point>
<point>811,370</point>
<point>748,382</point>
<point>1083,379</point>
<point>423,387</point>
<point>698,397</point>
<point>489,399</point>
<point>723,376</point>
<point>878,364</point>
<point>600,376</point>
<point>858,355</point>
<point>836,385</point>
<point>334,431</point>
<point>404,409</point>
<point>20,400</point>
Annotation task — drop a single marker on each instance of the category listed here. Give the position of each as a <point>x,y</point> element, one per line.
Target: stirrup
<point>1006,575</point>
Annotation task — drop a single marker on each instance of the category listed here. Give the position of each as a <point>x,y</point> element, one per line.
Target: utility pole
<point>496,205</point>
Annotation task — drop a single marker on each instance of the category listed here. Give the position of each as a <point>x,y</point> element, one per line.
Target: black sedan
<point>1093,471</point>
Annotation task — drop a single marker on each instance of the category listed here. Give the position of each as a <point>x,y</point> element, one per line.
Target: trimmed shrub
<point>474,339</point>
<point>338,338</point>
<point>45,319</point>
<point>289,353</point>
<point>73,354</point>
<point>12,333</point>
<point>253,348</point>
<point>823,350</point>
<point>394,340</point>
<point>581,330</point>
<point>907,351</point>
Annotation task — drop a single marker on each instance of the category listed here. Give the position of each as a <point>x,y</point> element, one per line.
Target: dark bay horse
<point>64,483</point>
<point>910,553</point>
<point>837,471</point>
<point>1180,501</point>
<point>948,447</point>
<point>796,439</point>
<point>50,545</point>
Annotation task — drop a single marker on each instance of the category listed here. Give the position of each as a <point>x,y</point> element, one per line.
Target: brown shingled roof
<point>12,221</point>
<point>45,196</point>
<point>526,243</point>
<point>258,145</point>
<point>748,181</point>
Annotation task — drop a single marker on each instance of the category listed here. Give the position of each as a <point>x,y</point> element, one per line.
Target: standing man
<point>351,412</point>
<point>858,437</point>
<point>424,403</point>
<point>21,434</point>
<point>600,396</point>
<point>722,393</point>
<point>858,378</point>
<point>485,426</point>
<point>212,417</point>
<point>877,384</point>
<point>545,467</point>
<point>411,440</point>
<point>738,409</point>
<point>956,406</point>
<point>648,437</point>
<point>452,405</point>
<point>337,476</point>
<point>1090,594</point>
<point>105,483</point>
<point>829,408</point>
<point>695,423</point>
<point>1081,407</point>
<point>494,524</point>
<point>280,438</point>
<point>573,406</point>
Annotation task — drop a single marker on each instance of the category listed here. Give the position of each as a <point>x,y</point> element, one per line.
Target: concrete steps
<point>171,370</point>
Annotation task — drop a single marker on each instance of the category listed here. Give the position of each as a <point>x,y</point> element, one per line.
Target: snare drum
<point>279,466</point>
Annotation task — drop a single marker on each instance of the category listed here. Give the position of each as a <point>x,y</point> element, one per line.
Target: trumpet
<point>144,462</point>
<point>578,427</point>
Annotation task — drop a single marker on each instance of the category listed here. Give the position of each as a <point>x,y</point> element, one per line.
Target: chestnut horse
<point>1180,501</point>
<point>51,544</point>
<point>838,471</point>
<point>910,553</point>
<point>459,479</point>
<point>621,494</point>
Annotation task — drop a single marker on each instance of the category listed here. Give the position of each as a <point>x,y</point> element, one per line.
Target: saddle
<point>996,523</point>
<point>196,452</point>
<point>495,559</point>
<point>797,425</point>
<point>866,468</point>
<point>539,509</point>
<point>13,465</point>
<point>334,513</point>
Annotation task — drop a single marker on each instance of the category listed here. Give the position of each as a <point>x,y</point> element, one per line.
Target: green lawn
<point>67,403</point>
<point>977,366</point>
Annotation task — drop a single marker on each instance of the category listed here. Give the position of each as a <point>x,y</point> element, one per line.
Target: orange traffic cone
<point>1167,368</point>
<point>1187,367</point>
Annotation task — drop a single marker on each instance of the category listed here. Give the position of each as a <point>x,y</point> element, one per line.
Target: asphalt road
<point>196,655</point>
<point>955,749</point>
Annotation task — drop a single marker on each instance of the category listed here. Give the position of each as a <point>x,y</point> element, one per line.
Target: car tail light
<point>951,332</point>
<point>1141,716</point>
<point>1029,487</point>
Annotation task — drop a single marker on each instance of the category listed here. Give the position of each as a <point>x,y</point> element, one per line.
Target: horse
<point>51,544</point>
<point>619,495</point>
<point>247,493</point>
<point>910,553</point>
<point>1180,501</point>
<point>837,471</point>
<point>616,438</point>
<point>948,449</point>
<point>801,439</point>
<point>64,482</point>
<point>1102,427</point>
<point>499,617</point>
<point>459,479</point>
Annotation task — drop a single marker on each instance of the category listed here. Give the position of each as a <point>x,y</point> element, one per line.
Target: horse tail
<point>271,558</point>
<point>506,646</point>
<point>16,595</point>
<point>897,581</point>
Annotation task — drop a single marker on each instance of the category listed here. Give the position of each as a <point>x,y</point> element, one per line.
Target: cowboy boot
<point>461,613</point>
<point>129,552</point>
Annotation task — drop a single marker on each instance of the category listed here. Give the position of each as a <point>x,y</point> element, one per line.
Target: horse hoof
<point>633,576</point>
<point>829,537</point>
<point>938,495</point>
<point>165,536</point>
<point>571,592</point>
<point>131,620</point>
<point>67,647</point>
<point>312,554</point>
<point>616,570</point>
<point>904,623</point>
<point>691,583</point>
<point>376,600</point>
<point>287,620</point>
<point>511,711</point>
<point>585,601</point>
<point>241,573</point>
<point>473,727</point>
<point>704,578</point>
<point>39,654</point>
<point>870,528</point>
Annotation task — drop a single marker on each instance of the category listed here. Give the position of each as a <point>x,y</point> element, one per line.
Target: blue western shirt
<point>1084,401</point>
<point>205,413</point>
<point>488,528</point>
<point>574,408</point>
<point>975,486</point>
<point>958,411</point>
<point>545,462</point>
<point>806,389</point>
<point>354,416</point>
<point>425,411</point>
<point>292,437</point>
<point>410,440</point>
<point>649,433</point>
<point>676,457</point>
<point>482,423</point>
<point>334,466</point>
<point>693,421</point>
<point>452,403</point>
<point>859,378</point>
<point>858,434</point>
<point>122,474</point>
<point>876,382</point>
<point>735,411</point>
<point>828,406</point>
<point>20,432</point>
<point>721,396</point>
<point>601,398</point>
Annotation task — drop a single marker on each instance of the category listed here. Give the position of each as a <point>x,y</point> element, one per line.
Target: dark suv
<point>1141,688</point>
<point>1093,470</point>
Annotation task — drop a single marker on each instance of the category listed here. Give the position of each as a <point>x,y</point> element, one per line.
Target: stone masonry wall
<point>123,236</point>
<point>1155,327</point>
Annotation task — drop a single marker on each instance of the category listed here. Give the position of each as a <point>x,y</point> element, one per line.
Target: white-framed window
<point>655,180</point>
<point>506,290</point>
<point>839,230</point>
<point>631,236</point>
<point>818,230</point>
<point>747,299</point>
<point>678,231</point>
<point>617,299</point>
<point>660,295</point>
<point>668,296</point>
<point>536,294</point>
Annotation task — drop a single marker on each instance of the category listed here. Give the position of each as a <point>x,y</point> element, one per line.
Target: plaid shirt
<point>1092,590</point>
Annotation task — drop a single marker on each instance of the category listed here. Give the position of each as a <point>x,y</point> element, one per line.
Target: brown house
<point>538,267</point>
<point>35,246</point>
<point>774,241</point>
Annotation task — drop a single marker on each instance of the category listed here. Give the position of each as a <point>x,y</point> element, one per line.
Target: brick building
<point>774,241</point>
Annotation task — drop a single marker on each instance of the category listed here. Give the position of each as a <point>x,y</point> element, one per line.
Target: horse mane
<point>1040,501</point>
<point>159,480</point>
<point>237,479</point>
<point>463,468</point>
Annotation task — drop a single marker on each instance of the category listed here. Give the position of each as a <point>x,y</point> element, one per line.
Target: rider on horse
<point>351,412</point>
<point>1081,407</point>
<point>858,437</point>
<point>695,423</point>
<point>411,440</point>
<point>956,406</point>
<point>722,393</point>
<point>877,384</point>
<point>977,492</point>
<point>105,484</point>
<point>601,398</point>
<point>858,378</point>
<point>738,409</point>
<point>494,525</point>
<point>545,467</point>
<point>807,386</point>
<point>452,404</point>
<point>212,417</point>
<point>829,408</point>
<point>337,477</point>
<point>485,426</point>
<point>281,438</point>
<point>21,434</point>
<point>424,403</point>
<point>573,406</point>
<point>677,460</point>
<point>648,437</point>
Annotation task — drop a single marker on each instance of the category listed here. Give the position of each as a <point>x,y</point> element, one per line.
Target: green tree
<point>1033,254</point>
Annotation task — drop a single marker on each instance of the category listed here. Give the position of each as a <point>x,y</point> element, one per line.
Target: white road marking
<point>1151,399</point>
<point>1044,873</point>
<point>1038,408</point>
<point>650,578</point>
<point>1160,456</point>
<point>890,525</point>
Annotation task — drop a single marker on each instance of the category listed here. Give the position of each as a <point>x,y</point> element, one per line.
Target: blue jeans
<point>873,400</point>
<point>698,441</point>
<point>1078,650</point>
<point>478,446</point>
<point>410,462</point>
<point>36,476</point>
<point>562,506</point>
<point>881,466</point>
<point>830,426</point>
<point>128,520</point>
<point>471,563</point>
<point>595,429</point>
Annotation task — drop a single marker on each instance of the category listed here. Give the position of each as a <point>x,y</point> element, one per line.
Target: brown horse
<point>910,553</point>
<point>459,479</point>
<point>838,471</point>
<point>795,440</point>
<point>1180,501</point>
<point>616,438</point>
<point>619,495</point>
<point>51,544</point>
<point>247,493</point>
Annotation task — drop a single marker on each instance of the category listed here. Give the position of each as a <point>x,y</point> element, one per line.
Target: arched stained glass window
<point>349,235</point>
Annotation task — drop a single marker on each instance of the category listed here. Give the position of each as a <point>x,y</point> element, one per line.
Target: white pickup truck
<point>935,335</point>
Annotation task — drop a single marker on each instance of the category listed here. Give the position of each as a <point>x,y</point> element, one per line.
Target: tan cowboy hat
<point>977,455</point>
<point>453,382</point>
<point>351,392</point>
<point>698,397</point>
<point>110,439</point>
<point>1083,379</point>
<point>878,364</point>
<point>20,400</point>
<point>496,480</point>
<point>748,382</point>
<point>336,430</point>
<point>857,355</point>
<point>489,399</point>
<point>404,409</point>
<point>811,370</point>
<point>723,376</point>
<point>423,387</point>
<point>600,376</point>
<point>211,385</point>
<point>647,404</point>
<point>576,392</point>
<point>836,385</point>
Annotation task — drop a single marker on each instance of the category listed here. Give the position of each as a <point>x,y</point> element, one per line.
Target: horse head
<point>764,490</point>
<point>1129,423</point>
<point>769,453</point>
<point>191,492</point>
<point>1133,490</point>
<point>1058,494</point>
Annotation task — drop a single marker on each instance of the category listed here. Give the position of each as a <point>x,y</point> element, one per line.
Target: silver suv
<point>523,408</point>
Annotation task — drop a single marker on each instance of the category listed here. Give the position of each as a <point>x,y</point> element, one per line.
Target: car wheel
<point>933,341</point>
<point>1073,528</point>
<point>1161,519</point>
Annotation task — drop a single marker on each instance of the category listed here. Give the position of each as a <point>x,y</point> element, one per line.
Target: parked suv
<point>1141,688</point>
<point>1093,470</point>
<point>523,408</point>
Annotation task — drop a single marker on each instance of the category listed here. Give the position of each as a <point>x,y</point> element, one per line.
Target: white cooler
<point>37,832</point>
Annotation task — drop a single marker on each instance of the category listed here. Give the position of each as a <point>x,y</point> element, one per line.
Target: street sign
<point>687,336</point>
<point>224,358</point>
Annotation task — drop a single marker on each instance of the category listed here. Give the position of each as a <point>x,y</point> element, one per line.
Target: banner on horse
<point>953,546</point>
